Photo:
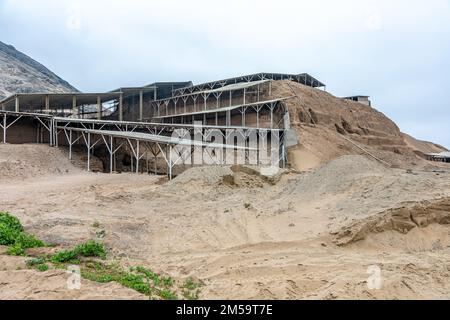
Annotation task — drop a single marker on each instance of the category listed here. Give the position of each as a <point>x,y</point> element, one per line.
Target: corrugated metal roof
<point>304,78</point>
<point>236,86</point>
<point>230,87</point>
<point>445,154</point>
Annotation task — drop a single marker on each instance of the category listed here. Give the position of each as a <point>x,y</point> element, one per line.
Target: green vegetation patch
<point>12,234</point>
<point>191,289</point>
<point>42,267</point>
<point>10,221</point>
<point>89,249</point>
<point>138,278</point>
<point>64,256</point>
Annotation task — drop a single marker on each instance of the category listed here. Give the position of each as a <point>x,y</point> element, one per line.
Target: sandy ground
<point>311,235</point>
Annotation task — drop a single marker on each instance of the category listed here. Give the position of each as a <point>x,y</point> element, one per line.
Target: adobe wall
<point>24,131</point>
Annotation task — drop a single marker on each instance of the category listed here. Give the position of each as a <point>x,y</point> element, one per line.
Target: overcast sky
<point>396,51</point>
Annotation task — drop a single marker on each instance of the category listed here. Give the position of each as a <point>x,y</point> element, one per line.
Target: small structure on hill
<point>439,157</point>
<point>361,99</point>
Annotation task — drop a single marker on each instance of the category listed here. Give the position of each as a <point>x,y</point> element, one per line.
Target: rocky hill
<point>21,74</point>
<point>329,127</point>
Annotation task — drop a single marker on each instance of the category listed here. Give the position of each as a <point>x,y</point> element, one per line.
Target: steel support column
<point>74,106</point>
<point>89,152</point>
<point>4,128</point>
<point>17,104</point>
<point>111,155</point>
<point>121,107</point>
<point>141,105</point>
<point>47,103</point>
<point>99,107</point>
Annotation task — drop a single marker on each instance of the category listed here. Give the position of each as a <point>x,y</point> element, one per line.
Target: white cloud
<point>73,20</point>
<point>374,19</point>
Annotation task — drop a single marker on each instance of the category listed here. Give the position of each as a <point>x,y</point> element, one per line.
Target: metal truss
<point>243,109</point>
<point>209,99</point>
<point>304,78</point>
<point>45,122</point>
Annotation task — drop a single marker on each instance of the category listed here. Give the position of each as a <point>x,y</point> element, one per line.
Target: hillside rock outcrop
<point>21,74</point>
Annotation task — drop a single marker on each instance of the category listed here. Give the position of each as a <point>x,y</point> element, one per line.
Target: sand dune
<point>305,236</point>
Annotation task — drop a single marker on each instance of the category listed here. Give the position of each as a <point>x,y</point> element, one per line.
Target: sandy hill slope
<point>329,127</point>
<point>309,235</point>
<point>21,74</point>
<point>422,146</point>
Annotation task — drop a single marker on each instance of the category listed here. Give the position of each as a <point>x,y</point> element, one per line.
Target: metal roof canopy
<point>225,109</point>
<point>135,90</point>
<point>165,89</point>
<point>151,124</point>
<point>445,154</point>
<point>57,100</point>
<point>170,83</point>
<point>26,114</point>
<point>226,88</point>
<point>303,78</point>
<point>157,138</point>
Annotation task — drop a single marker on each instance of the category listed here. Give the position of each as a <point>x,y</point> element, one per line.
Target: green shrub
<point>16,250</point>
<point>190,284</point>
<point>101,278</point>
<point>64,256</point>
<point>28,241</point>
<point>138,278</point>
<point>42,267</point>
<point>168,295</point>
<point>34,262</point>
<point>12,234</point>
<point>191,291</point>
<point>99,272</point>
<point>88,249</point>
<point>167,281</point>
<point>149,274</point>
<point>10,221</point>
<point>7,235</point>
<point>91,249</point>
<point>135,282</point>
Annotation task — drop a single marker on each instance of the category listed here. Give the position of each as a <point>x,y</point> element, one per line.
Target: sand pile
<point>350,189</point>
<point>201,175</point>
<point>244,176</point>
<point>202,179</point>
<point>32,160</point>
<point>340,175</point>
<point>402,220</point>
